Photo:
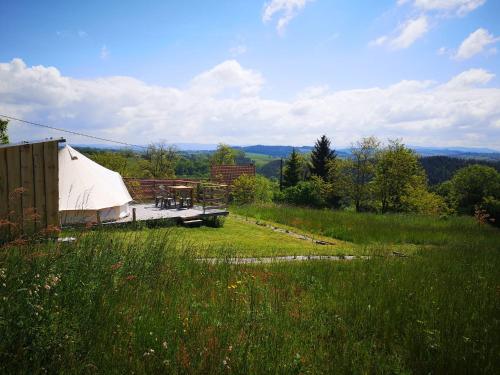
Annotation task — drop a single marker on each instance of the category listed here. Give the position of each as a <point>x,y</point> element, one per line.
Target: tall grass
<point>112,305</point>
<point>369,228</point>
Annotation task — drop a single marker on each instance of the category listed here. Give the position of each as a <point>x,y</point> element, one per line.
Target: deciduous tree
<point>163,159</point>
<point>397,171</point>
<point>224,155</point>
<point>4,136</point>
<point>364,157</point>
<point>472,184</point>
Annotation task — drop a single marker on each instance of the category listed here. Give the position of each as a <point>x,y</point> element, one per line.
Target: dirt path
<point>285,231</point>
<point>290,258</point>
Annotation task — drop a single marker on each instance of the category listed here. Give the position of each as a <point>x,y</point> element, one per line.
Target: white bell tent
<point>87,188</point>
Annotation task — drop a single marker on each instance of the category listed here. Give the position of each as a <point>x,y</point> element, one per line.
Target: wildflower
<point>116,266</point>
<point>164,344</point>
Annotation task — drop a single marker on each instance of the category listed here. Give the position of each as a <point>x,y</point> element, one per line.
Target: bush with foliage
<point>472,184</point>
<point>248,189</point>
<point>311,193</point>
<point>419,200</point>
<point>492,206</point>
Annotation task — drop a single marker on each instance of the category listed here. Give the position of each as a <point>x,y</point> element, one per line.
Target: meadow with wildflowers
<point>138,300</point>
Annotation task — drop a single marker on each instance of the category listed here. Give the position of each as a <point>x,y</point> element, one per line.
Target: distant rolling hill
<point>456,152</point>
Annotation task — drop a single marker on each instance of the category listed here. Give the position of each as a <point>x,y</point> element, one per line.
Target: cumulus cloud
<point>225,104</point>
<point>407,34</point>
<point>458,7</point>
<point>433,10</point>
<point>470,78</point>
<point>475,43</point>
<point>287,10</point>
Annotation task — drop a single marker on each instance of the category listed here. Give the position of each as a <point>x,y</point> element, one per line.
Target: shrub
<point>421,201</point>
<point>215,221</point>
<point>307,193</point>
<point>492,207</point>
<point>252,189</point>
<point>471,185</point>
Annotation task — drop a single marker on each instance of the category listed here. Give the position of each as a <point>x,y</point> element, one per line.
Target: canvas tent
<point>87,189</point>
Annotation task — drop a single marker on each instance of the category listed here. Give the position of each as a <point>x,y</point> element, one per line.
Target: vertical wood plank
<point>14,186</point>
<point>51,183</point>
<point>4,197</point>
<point>28,197</point>
<point>39,181</point>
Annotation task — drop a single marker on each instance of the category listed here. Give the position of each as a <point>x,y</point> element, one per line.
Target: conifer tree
<point>291,175</point>
<point>321,155</point>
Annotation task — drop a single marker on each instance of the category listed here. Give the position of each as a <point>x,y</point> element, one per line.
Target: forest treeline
<point>375,178</point>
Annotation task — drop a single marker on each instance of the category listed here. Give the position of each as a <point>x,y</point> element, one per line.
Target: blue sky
<point>244,72</point>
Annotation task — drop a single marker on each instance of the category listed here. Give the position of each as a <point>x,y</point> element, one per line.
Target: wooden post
<point>98,217</point>
<point>204,188</point>
<point>134,218</point>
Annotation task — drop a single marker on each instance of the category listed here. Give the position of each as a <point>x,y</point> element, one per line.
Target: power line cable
<point>71,132</point>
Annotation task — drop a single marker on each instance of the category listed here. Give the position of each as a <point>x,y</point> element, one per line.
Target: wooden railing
<point>213,196</point>
<point>143,190</point>
<point>206,194</point>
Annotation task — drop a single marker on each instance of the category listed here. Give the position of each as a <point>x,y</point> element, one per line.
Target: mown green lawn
<point>243,237</point>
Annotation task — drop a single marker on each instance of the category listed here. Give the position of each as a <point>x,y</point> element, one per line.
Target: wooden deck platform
<point>148,212</point>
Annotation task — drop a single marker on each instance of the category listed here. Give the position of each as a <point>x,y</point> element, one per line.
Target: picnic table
<point>182,194</point>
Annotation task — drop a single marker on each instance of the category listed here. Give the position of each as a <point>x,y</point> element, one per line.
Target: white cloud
<point>223,104</point>
<point>475,43</point>
<point>458,7</point>
<point>443,51</point>
<point>408,33</point>
<point>287,9</point>
<point>104,54</point>
<point>433,10</point>
<point>238,50</point>
<point>470,78</point>
<point>82,34</point>
<point>226,76</point>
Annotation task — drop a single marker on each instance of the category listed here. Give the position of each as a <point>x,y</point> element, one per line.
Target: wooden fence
<point>29,188</point>
<point>226,174</point>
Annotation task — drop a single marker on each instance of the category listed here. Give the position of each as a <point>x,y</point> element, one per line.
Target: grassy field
<point>137,301</point>
<point>382,229</point>
<point>259,159</point>
<point>244,238</point>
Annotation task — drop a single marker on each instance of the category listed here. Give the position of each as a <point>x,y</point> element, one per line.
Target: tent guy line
<point>70,131</point>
